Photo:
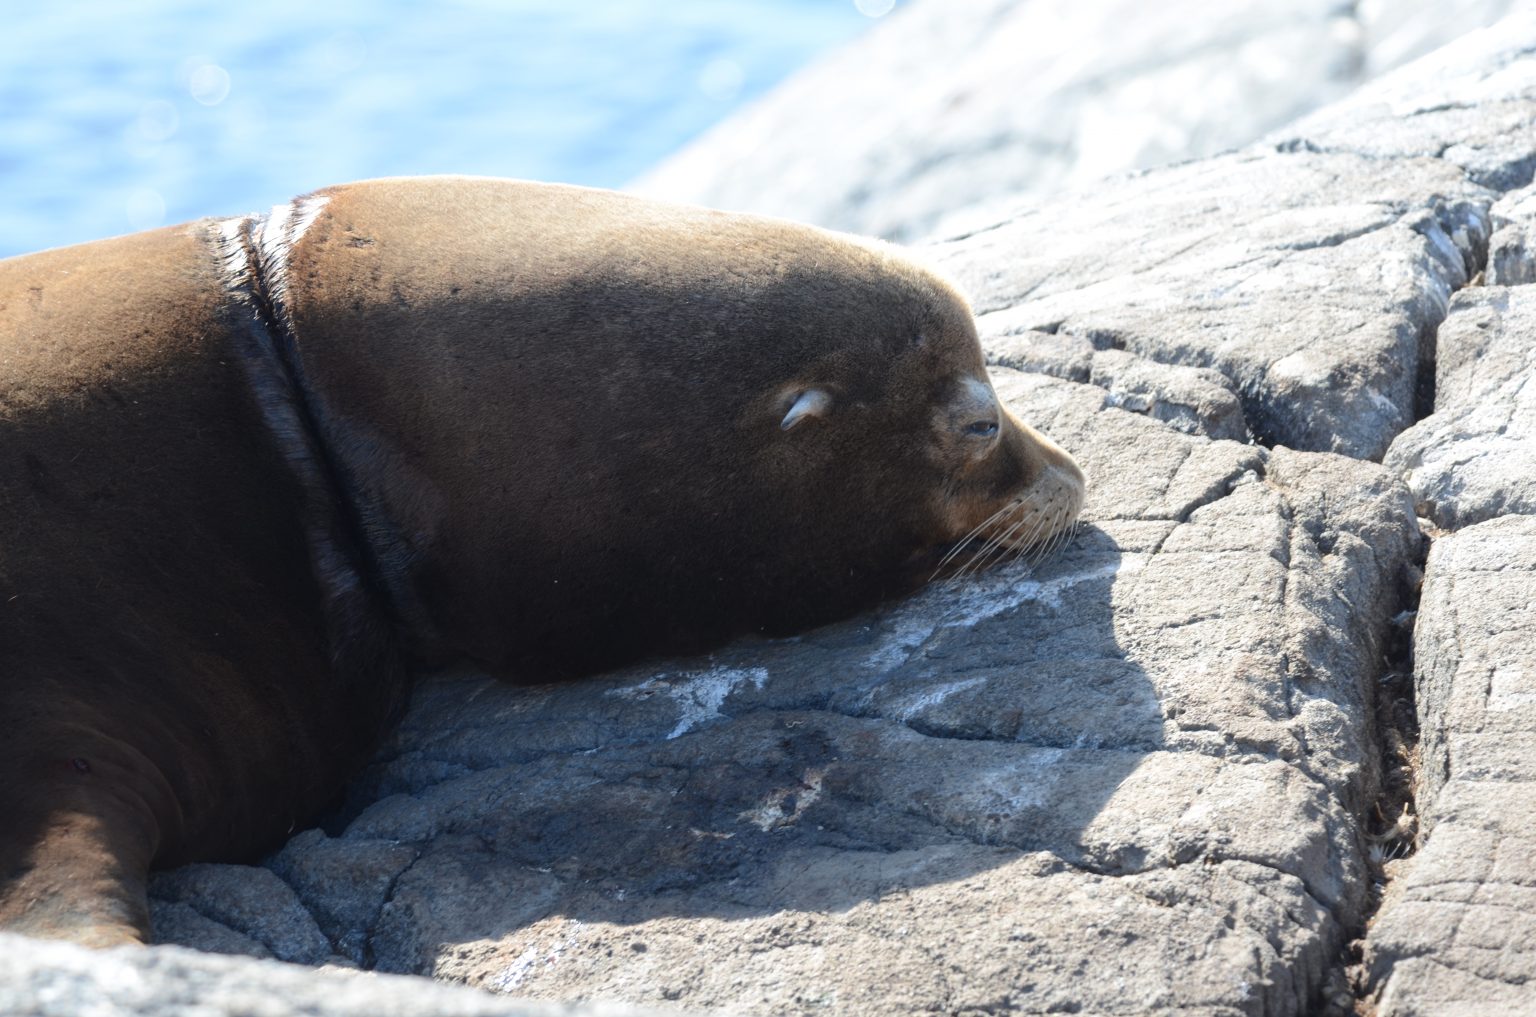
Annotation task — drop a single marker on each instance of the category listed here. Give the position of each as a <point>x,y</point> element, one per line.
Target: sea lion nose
<point>1063,484</point>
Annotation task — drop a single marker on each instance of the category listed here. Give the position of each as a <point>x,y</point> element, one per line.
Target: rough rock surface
<point>950,105</point>
<point>1141,776</point>
<point>1511,259</point>
<point>1457,932</point>
<point>1474,458</point>
<point>43,979</point>
<point>1312,282</point>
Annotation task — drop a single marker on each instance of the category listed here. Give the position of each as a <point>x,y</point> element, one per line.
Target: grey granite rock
<point>951,111</point>
<point>343,884</point>
<point>1189,399</point>
<point>44,979</point>
<point>1474,458</point>
<point>1312,282</point>
<point>249,902</point>
<point>1058,354</point>
<point>1194,400</point>
<point>1312,270</point>
<point>1457,933</point>
<point>1467,104</point>
<point>1511,253</point>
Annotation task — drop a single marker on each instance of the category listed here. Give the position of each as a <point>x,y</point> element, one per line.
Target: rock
<point>252,903</point>
<point>1457,933</point>
<point>1511,255</point>
<point>1312,270</point>
<point>1194,400</point>
<point>180,922</point>
<point>950,112</point>
<point>1312,282</point>
<point>1474,458</point>
<point>1460,105</point>
<point>44,979</point>
<point>1058,354</point>
<point>343,887</point>
<point>1189,399</point>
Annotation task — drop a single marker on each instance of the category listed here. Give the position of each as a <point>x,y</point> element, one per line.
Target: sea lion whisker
<point>1046,548</point>
<point>979,527</point>
<point>1060,539</point>
<point>1028,547</point>
<point>990,548</point>
<point>996,548</point>
<point>961,544</point>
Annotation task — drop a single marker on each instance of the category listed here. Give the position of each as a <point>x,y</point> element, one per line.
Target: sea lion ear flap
<point>813,402</point>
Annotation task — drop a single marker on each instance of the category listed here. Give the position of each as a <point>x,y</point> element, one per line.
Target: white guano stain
<point>526,963</point>
<point>1015,786</point>
<point>908,634</point>
<point>980,600</point>
<point>698,694</point>
<point>933,697</point>
<point>784,806</point>
<point>1382,403</point>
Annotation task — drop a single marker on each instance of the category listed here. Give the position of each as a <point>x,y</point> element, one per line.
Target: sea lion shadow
<point>983,722</point>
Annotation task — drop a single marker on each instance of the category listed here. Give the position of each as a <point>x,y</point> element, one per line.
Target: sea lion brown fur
<point>257,469</point>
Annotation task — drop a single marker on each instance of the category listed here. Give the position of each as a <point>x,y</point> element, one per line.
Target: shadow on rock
<point>812,774</point>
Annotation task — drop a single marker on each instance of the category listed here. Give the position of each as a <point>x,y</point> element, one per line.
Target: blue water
<point>117,116</point>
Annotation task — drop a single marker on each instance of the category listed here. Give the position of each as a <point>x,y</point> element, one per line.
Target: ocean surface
<point>118,116</point>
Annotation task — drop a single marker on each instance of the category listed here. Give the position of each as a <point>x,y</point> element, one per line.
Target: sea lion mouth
<point>1033,525</point>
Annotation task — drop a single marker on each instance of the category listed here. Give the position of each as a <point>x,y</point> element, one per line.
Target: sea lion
<point>259,470</point>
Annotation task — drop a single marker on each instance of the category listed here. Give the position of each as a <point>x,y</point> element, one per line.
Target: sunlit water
<point>117,116</point>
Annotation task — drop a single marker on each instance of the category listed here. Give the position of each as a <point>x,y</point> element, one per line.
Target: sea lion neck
<point>354,550</point>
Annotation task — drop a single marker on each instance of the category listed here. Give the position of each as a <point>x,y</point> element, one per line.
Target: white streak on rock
<point>698,694</point>
<point>933,697</point>
<point>1382,403</point>
<point>910,632</point>
<point>782,807</point>
<point>516,973</point>
<point>981,599</point>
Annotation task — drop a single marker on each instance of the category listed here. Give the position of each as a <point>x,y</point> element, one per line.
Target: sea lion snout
<point>1021,495</point>
<point>1059,478</point>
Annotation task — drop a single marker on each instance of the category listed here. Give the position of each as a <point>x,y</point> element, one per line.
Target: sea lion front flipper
<point>85,815</point>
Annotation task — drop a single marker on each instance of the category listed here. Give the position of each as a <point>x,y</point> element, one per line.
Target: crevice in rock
<point>1338,239</point>
<point>200,907</point>
<point>1424,380</point>
<point>371,930</point>
<point>1389,829</point>
<point>337,949</point>
<point>1109,339</point>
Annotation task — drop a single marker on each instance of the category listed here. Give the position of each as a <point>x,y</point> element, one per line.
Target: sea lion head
<point>904,421</point>
<point>584,426</point>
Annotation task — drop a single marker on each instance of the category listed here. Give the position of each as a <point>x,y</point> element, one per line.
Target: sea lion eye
<point>981,428</point>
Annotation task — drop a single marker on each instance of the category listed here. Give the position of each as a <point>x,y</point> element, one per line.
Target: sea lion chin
<point>267,466</point>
